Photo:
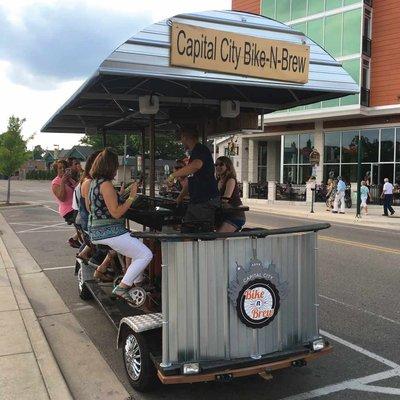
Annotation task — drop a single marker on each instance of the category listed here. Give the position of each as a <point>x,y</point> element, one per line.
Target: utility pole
<point>359,159</point>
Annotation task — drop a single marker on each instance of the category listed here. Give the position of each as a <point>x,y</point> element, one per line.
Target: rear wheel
<point>84,292</point>
<point>138,365</point>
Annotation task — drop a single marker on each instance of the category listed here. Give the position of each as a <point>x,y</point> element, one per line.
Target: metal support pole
<point>143,161</point>
<point>254,352</point>
<point>125,145</point>
<point>203,132</point>
<point>359,158</point>
<point>165,313</point>
<point>312,200</point>
<point>152,145</point>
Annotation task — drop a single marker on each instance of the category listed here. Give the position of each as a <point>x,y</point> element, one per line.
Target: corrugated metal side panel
<point>204,324</point>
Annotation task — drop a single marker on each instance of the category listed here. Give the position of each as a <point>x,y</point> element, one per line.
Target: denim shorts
<point>238,223</point>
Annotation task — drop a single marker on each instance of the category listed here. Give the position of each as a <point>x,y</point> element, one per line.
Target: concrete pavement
<point>40,337</point>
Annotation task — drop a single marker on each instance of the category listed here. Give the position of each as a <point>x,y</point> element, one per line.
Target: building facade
<point>362,35</point>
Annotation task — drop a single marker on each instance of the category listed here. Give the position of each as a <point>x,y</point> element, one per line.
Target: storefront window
<point>333,34</point>
<point>351,32</point>
<point>331,172</point>
<point>305,172</point>
<point>349,146</point>
<point>398,144</point>
<point>306,144</point>
<point>370,145</point>
<point>349,173</point>
<point>262,162</point>
<point>397,176</point>
<point>290,174</point>
<point>283,10</point>
<point>290,151</point>
<point>299,9</point>
<point>387,144</point>
<point>332,147</point>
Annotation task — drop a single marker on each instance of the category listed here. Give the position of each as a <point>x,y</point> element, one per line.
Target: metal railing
<point>290,192</point>
<point>258,190</point>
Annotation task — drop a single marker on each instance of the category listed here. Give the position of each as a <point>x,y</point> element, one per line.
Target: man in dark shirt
<point>202,185</point>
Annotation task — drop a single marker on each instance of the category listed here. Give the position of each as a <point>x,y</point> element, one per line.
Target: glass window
<point>332,4</point>
<point>302,27</point>
<point>306,144</point>
<point>370,145</point>
<point>349,2</point>
<point>333,34</point>
<point>332,147</point>
<point>315,6</point>
<point>349,146</point>
<point>268,8</point>
<point>349,173</point>
<point>331,103</point>
<point>314,106</point>
<point>283,10</point>
<point>305,172</point>
<point>315,30</point>
<point>262,153</point>
<point>299,9</point>
<point>397,144</point>
<point>262,174</point>
<point>349,100</point>
<point>290,152</point>
<point>397,176</point>
<point>330,171</point>
<point>290,174</point>
<point>351,32</point>
<point>353,68</point>
<point>387,144</point>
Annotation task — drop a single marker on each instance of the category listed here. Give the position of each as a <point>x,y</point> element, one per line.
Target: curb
<point>70,354</point>
<point>54,381</point>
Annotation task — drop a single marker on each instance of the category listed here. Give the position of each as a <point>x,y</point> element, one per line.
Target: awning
<point>141,66</point>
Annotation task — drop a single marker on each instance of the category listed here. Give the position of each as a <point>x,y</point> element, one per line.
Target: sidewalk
<point>302,210</point>
<point>28,369</point>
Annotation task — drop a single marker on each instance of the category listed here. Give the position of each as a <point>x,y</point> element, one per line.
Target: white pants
<point>339,198</point>
<point>130,247</point>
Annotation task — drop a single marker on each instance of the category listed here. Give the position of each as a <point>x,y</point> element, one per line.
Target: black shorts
<point>200,217</point>
<point>71,217</point>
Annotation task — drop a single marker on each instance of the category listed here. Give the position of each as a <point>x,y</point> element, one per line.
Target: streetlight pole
<point>359,159</point>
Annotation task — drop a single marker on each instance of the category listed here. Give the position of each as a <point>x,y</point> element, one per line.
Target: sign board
<point>232,53</point>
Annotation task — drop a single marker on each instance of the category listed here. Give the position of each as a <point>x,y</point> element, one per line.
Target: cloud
<point>52,43</point>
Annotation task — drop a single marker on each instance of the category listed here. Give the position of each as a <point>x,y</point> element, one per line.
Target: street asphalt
<point>358,277</point>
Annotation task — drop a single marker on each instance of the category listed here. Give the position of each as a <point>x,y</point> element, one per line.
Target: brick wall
<point>385,65</point>
<point>252,6</point>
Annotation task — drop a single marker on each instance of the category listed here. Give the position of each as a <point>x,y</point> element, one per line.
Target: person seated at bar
<point>202,186</point>
<point>230,196</point>
<point>63,187</point>
<point>106,225</point>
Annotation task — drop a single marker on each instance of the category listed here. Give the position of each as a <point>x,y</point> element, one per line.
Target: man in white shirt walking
<point>339,197</point>
<point>387,195</point>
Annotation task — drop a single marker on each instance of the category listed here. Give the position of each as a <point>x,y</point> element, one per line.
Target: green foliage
<point>12,147</point>
<point>37,152</point>
<point>40,175</point>
<point>167,146</point>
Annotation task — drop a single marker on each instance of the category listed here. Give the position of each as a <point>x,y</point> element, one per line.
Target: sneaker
<point>334,212</point>
<point>342,213</point>
<point>74,243</point>
<point>122,293</point>
<point>392,213</point>
<point>385,215</point>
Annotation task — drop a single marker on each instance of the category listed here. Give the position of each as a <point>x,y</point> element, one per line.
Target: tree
<point>12,150</point>
<point>167,146</point>
<point>37,152</point>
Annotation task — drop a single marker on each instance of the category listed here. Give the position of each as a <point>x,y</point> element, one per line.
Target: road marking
<point>33,223</point>
<point>42,227</point>
<point>49,208</point>
<point>66,229</point>
<point>360,349</point>
<point>359,244</point>
<point>57,268</point>
<point>360,309</point>
<point>346,242</point>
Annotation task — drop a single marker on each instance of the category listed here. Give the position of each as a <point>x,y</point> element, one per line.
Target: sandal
<point>84,259</point>
<point>102,277</point>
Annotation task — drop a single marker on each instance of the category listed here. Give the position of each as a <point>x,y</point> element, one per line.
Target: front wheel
<point>84,292</point>
<point>138,365</point>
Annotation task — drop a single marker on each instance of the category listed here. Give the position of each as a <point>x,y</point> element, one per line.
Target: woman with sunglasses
<point>228,188</point>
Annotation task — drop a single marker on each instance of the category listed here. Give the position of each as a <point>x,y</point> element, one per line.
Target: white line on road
<point>33,223</point>
<point>360,309</point>
<point>43,227</point>
<point>51,209</point>
<point>359,349</point>
<point>66,229</point>
<point>56,268</point>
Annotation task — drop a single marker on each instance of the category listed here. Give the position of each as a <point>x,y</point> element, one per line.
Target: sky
<point>48,48</point>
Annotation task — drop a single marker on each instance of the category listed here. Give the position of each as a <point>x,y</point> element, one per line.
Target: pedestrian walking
<point>364,194</point>
<point>339,197</point>
<point>387,196</point>
<point>330,194</point>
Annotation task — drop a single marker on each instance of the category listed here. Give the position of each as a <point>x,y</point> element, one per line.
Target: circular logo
<point>258,303</point>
